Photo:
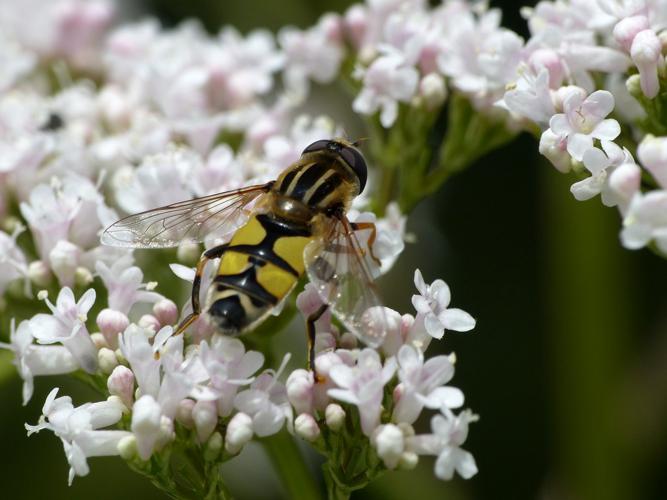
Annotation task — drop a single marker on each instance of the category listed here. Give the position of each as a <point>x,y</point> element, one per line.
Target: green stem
<point>291,467</point>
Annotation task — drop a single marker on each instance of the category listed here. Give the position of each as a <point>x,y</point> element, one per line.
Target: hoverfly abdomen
<point>258,269</point>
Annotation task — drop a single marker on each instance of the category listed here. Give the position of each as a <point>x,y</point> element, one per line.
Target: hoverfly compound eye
<point>356,161</point>
<point>317,146</point>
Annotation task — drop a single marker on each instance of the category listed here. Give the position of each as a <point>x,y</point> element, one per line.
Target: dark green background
<point>567,366</point>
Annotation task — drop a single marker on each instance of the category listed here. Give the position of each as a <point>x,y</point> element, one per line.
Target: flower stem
<point>291,467</point>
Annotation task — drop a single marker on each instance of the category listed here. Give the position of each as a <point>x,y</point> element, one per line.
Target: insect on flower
<point>293,225</point>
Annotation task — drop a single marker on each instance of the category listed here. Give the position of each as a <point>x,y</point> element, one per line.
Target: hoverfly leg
<point>310,329</point>
<point>361,226</point>
<point>210,254</point>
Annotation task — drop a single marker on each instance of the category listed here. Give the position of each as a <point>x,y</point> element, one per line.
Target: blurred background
<point>567,366</point>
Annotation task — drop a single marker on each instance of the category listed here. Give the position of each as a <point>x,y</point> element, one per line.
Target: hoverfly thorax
<point>329,174</point>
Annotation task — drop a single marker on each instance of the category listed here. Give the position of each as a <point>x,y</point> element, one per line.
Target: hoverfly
<point>293,225</point>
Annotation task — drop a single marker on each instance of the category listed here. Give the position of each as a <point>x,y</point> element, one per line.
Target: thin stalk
<point>291,467</point>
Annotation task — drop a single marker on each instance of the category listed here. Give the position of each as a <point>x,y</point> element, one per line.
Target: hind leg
<point>310,329</point>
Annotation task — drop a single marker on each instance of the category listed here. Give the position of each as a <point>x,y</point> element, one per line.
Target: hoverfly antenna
<point>358,142</point>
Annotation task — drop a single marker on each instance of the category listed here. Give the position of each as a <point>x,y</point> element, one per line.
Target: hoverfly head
<point>348,152</point>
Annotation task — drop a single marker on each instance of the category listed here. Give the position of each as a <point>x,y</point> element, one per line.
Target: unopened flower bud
<point>551,61</point>
<point>633,84</point>
<point>389,443</point>
<point>149,322</point>
<point>188,252</point>
<point>127,447</point>
<point>39,273</point>
<point>300,390</point>
<point>106,359</point>
<point>166,312</point>
<point>213,447</point>
<point>99,340</point>
<point>64,260</point>
<point>82,276</point>
<point>205,417</point>
<point>111,323</point>
<point>166,433</point>
<point>348,341</point>
<point>653,155</point>
<point>306,427</point>
<point>121,383</point>
<point>554,148</point>
<point>146,424</point>
<point>646,53</point>
<point>119,403</point>
<point>625,181</point>
<point>239,432</point>
<point>433,91</point>
<point>356,24</point>
<point>334,415</point>
<point>408,461</point>
<point>184,413</point>
<point>627,29</point>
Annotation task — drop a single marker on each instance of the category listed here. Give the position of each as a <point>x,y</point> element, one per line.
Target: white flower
<point>432,303</point>
<point>449,433</point>
<point>646,220</point>
<point>266,402</point>
<point>124,283</point>
<point>33,360</point>
<point>311,54</point>
<point>652,153</point>
<point>481,58</point>
<point>583,120</point>
<point>363,385</point>
<point>78,429</point>
<point>389,79</point>
<point>159,180</point>
<point>390,444</point>
<point>229,367</point>
<point>530,97</point>
<point>601,165</point>
<point>422,384</point>
<point>66,325</point>
<point>13,264</point>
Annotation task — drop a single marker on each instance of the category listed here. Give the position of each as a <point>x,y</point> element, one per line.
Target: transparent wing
<point>342,271</point>
<point>190,220</point>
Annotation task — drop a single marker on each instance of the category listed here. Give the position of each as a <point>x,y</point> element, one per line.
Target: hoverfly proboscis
<point>282,229</point>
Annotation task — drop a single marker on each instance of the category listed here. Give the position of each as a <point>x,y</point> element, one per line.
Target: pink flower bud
<point>356,24</point>
<point>111,323</point>
<point>205,416</point>
<point>239,432</point>
<point>166,312</point>
<point>332,25</point>
<point>300,390</point>
<point>646,53</point>
<point>551,61</point>
<point>121,383</point>
<point>149,322</point>
<point>626,30</point>
<point>306,427</point>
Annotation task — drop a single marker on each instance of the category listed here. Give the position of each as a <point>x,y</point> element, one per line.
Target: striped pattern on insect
<point>282,229</point>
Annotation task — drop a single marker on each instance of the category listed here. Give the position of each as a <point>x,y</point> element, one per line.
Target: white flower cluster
<point>98,121</point>
<point>215,384</point>
<point>569,81</point>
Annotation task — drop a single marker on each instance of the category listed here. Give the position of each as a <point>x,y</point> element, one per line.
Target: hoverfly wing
<point>190,220</point>
<point>338,266</point>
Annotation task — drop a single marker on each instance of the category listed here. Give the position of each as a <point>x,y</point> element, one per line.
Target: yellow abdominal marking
<point>252,233</point>
<point>275,280</point>
<point>290,248</point>
<point>233,263</point>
